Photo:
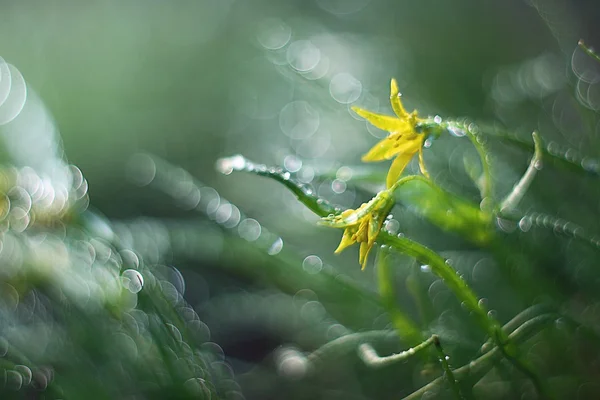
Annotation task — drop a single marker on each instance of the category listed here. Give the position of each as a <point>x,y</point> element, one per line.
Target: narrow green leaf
<point>304,193</point>
<point>446,210</point>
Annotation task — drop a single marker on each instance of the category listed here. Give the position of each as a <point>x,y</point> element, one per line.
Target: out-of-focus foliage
<point>144,272</point>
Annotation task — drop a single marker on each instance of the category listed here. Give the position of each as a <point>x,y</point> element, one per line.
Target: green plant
<point>482,223</point>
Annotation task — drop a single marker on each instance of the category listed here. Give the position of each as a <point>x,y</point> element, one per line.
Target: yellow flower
<point>363,224</point>
<point>403,142</point>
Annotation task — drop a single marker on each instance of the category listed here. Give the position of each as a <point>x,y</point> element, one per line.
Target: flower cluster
<point>405,139</point>
<point>363,224</point>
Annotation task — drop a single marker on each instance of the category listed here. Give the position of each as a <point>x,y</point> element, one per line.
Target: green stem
<point>403,324</point>
<point>407,179</point>
<point>514,197</point>
<point>367,353</point>
<point>477,368</point>
<point>559,226</point>
<point>302,192</point>
<point>522,365</point>
<point>588,51</point>
<point>567,157</point>
<point>344,345</point>
<point>478,143</point>
<point>447,371</point>
<point>425,255</point>
<point>443,270</point>
<point>464,293</point>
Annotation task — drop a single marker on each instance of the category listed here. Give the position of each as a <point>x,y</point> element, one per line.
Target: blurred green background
<point>191,81</point>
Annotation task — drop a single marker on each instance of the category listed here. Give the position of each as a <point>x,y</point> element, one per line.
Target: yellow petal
<point>363,230</point>
<point>374,227</point>
<point>346,241</point>
<point>395,100</point>
<point>422,163</point>
<point>392,145</point>
<point>397,167</point>
<point>363,254</point>
<point>385,122</point>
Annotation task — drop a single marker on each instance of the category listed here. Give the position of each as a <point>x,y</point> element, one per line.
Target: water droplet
<point>483,302</point>
<point>590,164</point>
<point>273,33</point>
<point>454,131</point>
<point>130,259</point>
<point>223,213</point>
<point>344,173</point>
<point>292,163</point>
<point>14,380</point>
<point>570,155</point>
<point>197,387</point>
<point>14,103</point>
<point>249,229</point>
<point>525,224</point>
<point>291,363</point>
<point>345,88</point>
<point>538,164</point>
<point>338,186</point>
<point>392,226</point>
<point>506,225</point>
<point>303,55</point>
<point>428,142</point>
<point>276,247</point>
<point>20,197</point>
<point>132,280</point>
<point>227,165</point>
<point>19,219</point>
<point>25,373</point>
<point>437,119</point>
<point>486,204</point>
<point>312,264</point>
<point>425,268</point>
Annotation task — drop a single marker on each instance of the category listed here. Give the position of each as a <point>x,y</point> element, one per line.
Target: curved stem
<point>446,367</point>
<point>367,353</point>
<point>443,270</point>
<point>403,324</point>
<point>463,292</point>
<point>407,179</point>
<point>588,51</point>
<point>302,192</point>
<point>486,190</point>
<point>438,264</point>
<point>514,197</point>
<point>346,344</point>
<point>477,368</point>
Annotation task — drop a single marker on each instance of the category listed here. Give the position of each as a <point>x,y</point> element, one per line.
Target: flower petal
<point>391,146</point>
<point>397,167</point>
<point>363,254</point>
<point>385,122</point>
<point>374,227</point>
<point>395,100</point>
<point>346,240</point>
